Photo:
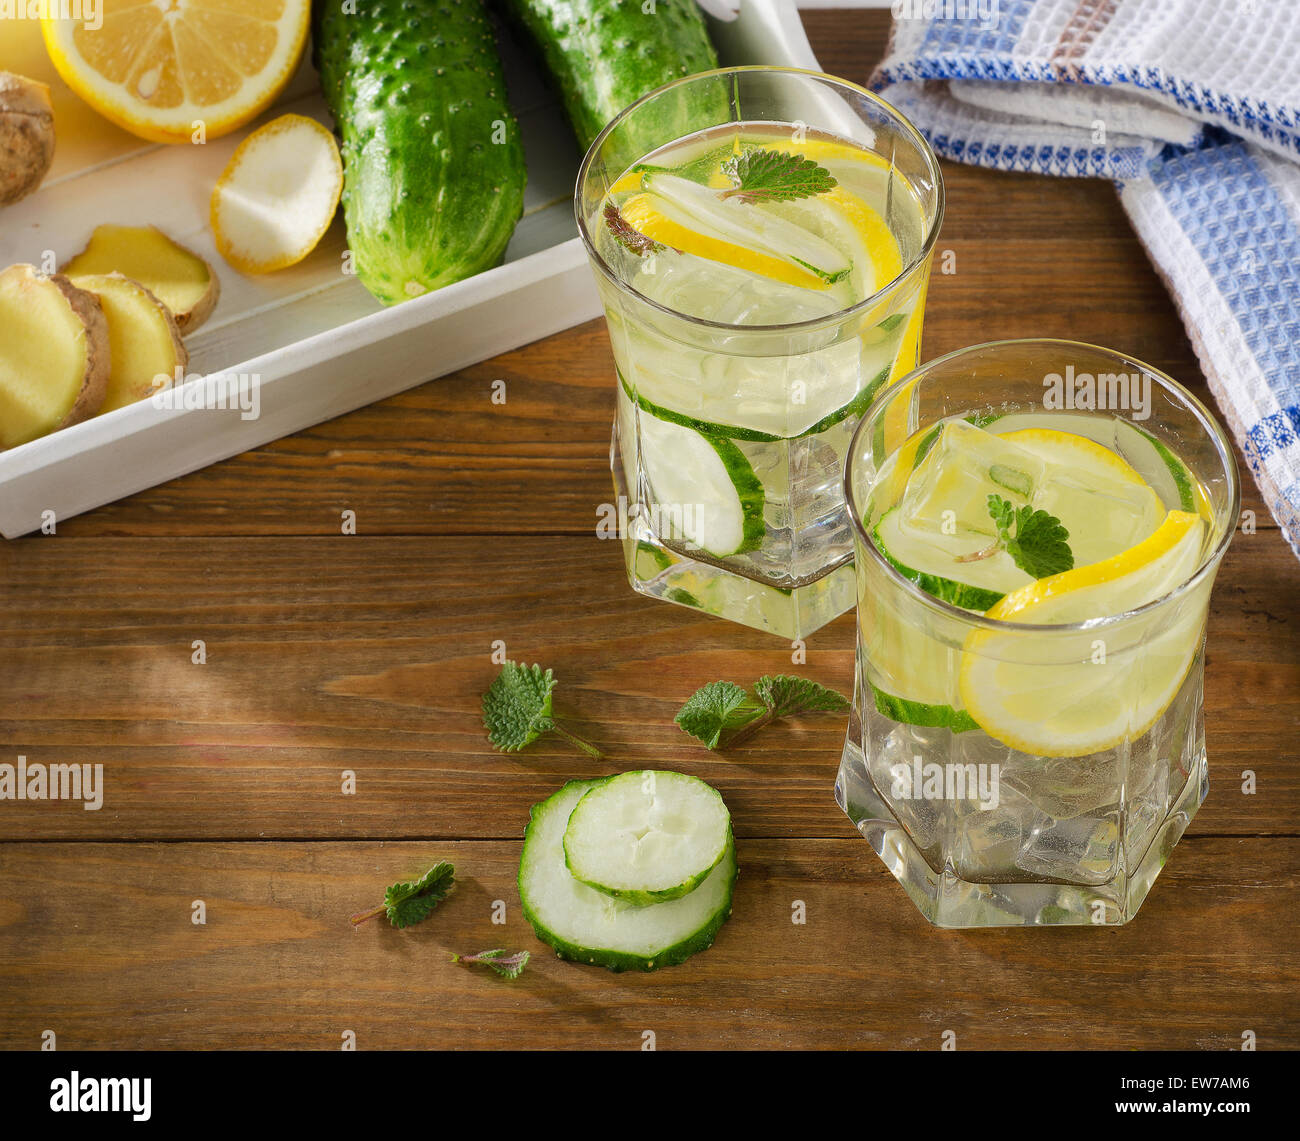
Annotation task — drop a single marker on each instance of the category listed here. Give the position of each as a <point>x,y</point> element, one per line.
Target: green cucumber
<point>647,836</point>
<point>605,54</point>
<point>983,582</point>
<point>432,159</point>
<point>704,490</point>
<point>588,926</point>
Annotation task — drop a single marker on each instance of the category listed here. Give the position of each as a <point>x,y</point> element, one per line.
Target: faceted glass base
<point>659,572</point>
<point>948,899</point>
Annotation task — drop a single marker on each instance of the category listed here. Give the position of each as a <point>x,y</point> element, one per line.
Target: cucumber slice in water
<point>933,566</point>
<point>647,836</point>
<point>588,926</point>
<point>703,489</point>
<point>855,407</point>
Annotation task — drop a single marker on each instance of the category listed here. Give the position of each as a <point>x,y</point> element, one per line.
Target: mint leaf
<point>715,707</point>
<point>517,709</point>
<point>1039,546</point>
<point>761,175</point>
<point>406,904</point>
<point>723,709</point>
<point>786,695</point>
<point>517,706</point>
<point>509,964</point>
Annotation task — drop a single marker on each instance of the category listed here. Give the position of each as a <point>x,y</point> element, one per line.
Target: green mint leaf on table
<point>716,707</point>
<point>761,175</point>
<point>631,240</point>
<point>1039,546</point>
<point>406,904</point>
<point>785,696</point>
<point>723,709</point>
<point>517,709</point>
<point>509,964</point>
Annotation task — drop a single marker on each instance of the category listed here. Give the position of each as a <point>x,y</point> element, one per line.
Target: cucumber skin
<point>907,712</point>
<point>605,54</point>
<point>619,961</point>
<point>415,87</point>
<point>961,594</point>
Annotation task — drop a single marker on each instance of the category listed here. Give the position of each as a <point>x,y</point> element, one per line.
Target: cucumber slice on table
<point>647,836</point>
<point>588,926</point>
<point>704,488</point>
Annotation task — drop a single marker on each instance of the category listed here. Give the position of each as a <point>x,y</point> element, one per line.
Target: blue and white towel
<point>1193,107</point>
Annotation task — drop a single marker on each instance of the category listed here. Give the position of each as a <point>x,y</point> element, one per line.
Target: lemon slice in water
<point>1068,694</point>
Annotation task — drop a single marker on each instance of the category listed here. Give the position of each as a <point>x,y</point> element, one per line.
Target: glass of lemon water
<point>1038,525</point>
<point>761,239</point>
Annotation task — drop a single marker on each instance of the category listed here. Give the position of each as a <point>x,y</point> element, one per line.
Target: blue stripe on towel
<point>966,35</point>
<point>1241,229</point>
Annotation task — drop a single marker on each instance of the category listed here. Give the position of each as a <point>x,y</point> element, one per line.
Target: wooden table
<point>329,653</point>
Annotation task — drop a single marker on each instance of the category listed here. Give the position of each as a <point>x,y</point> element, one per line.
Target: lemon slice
<point>158,68</point>
<point>277,195</point>
<point>1079,692</point>
<point>1101,499</point>
<point>656,219</point>
<point>846,222</point>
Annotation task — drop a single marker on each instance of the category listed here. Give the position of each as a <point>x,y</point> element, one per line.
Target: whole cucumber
<point>605,54</point>
<point>433,163</point>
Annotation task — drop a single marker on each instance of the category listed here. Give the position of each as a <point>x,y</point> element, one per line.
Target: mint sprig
<point>406,904</point>
<point>508,964</point>
<point>1039,545</point>
<point>761,175</point>
<point>517,709</point>
<point>722,714</point>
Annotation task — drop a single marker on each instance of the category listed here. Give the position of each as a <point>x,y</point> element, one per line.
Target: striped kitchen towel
<point>1193,108</point>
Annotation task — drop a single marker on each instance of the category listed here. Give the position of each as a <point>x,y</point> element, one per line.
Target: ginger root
<point>143,338</point>
<point>54,355</point>
<point>178,277</point>
<point>26,136</point>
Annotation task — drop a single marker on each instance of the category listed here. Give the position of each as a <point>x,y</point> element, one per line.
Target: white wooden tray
<point>317,343</point>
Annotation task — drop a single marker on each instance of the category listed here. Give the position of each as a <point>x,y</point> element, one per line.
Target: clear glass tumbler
<point>1032,755</point>
<point>751,333</point>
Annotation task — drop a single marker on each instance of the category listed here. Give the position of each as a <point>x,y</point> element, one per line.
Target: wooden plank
<point>370,655</point>
<point>90,933</point>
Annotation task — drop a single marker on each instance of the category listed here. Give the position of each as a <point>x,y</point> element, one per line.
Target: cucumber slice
<point>587,926</point>
<point>647,836</point>
<point>701,209</point>
<point>925,714</point>
<point>703,489</point>
<point>855,407</point>
<point>927,562</point>
<point>1184,484</point>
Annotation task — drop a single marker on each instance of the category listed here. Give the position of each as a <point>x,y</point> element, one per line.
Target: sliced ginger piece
<point>277,195</point>
<point>54,354</point>
<point>178,277</point>
<point>143,338</point>
<point>26,136</point>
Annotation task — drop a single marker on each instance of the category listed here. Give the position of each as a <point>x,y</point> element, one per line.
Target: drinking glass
<point>1009,771</point>
<point>737,395</point>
